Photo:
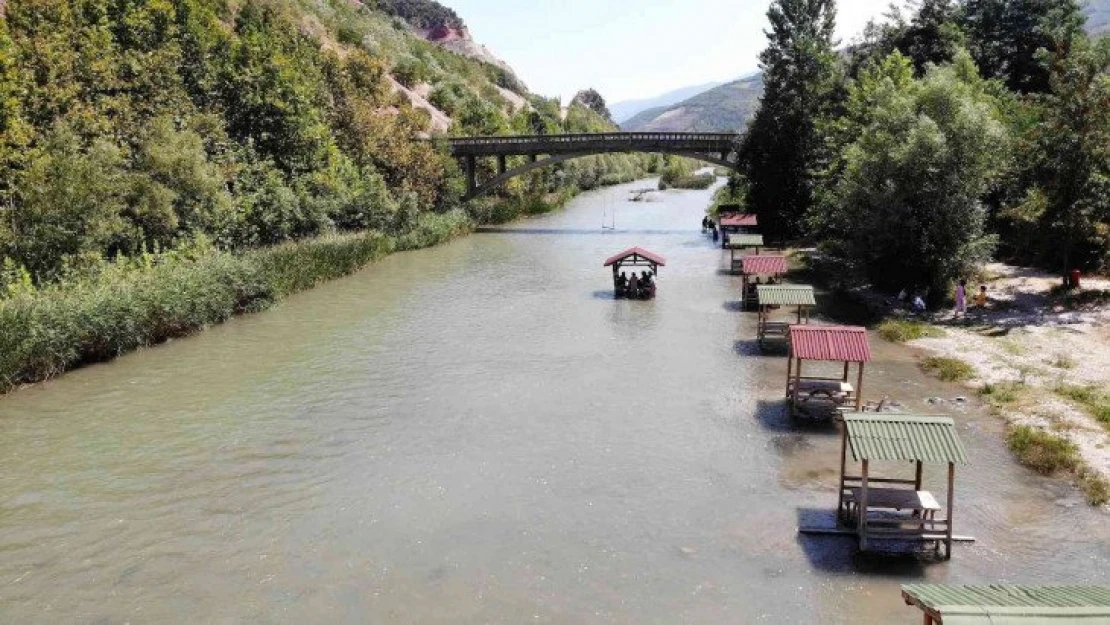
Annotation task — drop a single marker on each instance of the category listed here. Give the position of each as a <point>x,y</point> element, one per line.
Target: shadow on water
<point>771,350</point>
<point>733,306</point>
<point>775,417</point>
<point>608,295</point>
<point>841,554</point>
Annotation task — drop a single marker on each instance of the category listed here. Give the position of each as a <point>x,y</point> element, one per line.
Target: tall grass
<point>1043,452</point>
<point>902,330</point>
<point>47,332</point>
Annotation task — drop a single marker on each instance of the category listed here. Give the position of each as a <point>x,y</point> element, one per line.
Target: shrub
<point>902,330</point>
<point>1002,394</point>
<point>1041,451</point>
<point>1096,488</point>
<point>130,305</point>
<point>1094,400</point>
<point>696,181</point>
<point>948,369</point>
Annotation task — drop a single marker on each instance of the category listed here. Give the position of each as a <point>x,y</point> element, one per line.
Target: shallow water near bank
<point>481,433</point>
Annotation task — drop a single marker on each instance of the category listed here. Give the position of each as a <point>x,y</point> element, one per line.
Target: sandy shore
<point>1028,336</point>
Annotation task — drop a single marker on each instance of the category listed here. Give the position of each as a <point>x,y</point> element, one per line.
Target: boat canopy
<point>636,256</point>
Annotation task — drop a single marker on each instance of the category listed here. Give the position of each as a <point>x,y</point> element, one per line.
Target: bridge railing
<point>628,137</point>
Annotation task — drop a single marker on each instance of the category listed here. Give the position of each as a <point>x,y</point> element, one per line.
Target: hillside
<point>721,109</point>
<point>1098,17</point>
<point>627,109</point>
<point>729,106</point>
<point>134,126</point>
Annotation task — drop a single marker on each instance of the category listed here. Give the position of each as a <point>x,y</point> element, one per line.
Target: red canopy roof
<point>763,265</point>
<point>829,343</point>
<point>739,220</point>
<point>637,251</point>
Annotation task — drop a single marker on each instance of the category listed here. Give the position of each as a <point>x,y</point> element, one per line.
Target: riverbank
<point>1040,357</point>
<point>143,302</point>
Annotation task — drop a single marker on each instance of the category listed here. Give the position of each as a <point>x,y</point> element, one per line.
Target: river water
<point>480,433</point>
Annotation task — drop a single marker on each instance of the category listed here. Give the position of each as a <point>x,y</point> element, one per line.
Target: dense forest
<point>167,163</point>
<point>962,131</point>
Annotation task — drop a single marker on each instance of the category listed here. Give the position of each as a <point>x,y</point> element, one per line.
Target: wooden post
<point>862,504</point>
<point>843,465</point>
<point>951,503</point>
<point>744,292</point>
<point>532,158</point>
<point>845,378</point>
<point>917,477</point>
<point>789,369</point>
<point>501,168</point>
<point>859,389</point>
<point>797,384</point>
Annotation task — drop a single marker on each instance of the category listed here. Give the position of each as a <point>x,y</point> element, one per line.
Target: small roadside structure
<point>946,604</point>
<point>634,287</point>
<point>734,222</point>
<point>842,344</point>
<point>774,296</point>
<point>739,243</point>
<point>898,509</point>
<point>756,266</point>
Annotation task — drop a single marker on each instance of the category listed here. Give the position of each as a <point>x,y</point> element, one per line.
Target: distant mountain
<point>722,109</point>
<point>1098,17</point>
<point>728,107</point>
<point>628,108</point>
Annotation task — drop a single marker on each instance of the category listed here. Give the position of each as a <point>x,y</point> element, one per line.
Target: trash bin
<point>1074,278</point>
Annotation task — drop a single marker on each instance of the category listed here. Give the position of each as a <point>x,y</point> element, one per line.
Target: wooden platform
<point>846,531</point>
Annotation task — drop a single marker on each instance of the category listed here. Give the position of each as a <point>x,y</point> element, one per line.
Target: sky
<point>632,49</point>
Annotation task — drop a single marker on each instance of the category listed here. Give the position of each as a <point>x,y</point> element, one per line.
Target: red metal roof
<point>764,265</point>
<point>739,220</point>
<point>829,343</point>
<point>637,251</point>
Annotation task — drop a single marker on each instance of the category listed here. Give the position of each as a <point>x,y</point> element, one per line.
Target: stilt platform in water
<point>851,531</point>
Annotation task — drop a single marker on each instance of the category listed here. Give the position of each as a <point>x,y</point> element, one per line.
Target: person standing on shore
<point>961,299</point>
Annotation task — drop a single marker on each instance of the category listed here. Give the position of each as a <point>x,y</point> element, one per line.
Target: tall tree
<point>906,208</point>
<point>1069,155</point>
<point>932,36</point>
<point>1005,36</point>
<point>782,151</point>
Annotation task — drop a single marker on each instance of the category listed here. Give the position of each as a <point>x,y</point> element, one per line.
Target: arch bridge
<point>544,150</point>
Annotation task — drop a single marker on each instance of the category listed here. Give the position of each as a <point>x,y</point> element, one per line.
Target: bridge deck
<point>713,143</point>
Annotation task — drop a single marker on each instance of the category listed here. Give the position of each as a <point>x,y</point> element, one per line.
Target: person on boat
<point>622,284</point>
<point>648,285</point>
<point>713,227</point>
<point>633,286</point>
<point>704,224</point>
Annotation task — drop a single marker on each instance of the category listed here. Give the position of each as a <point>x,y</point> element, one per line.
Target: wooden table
<point>918,501</point>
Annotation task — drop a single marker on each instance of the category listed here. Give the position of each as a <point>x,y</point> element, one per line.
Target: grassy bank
<point>46,332</point>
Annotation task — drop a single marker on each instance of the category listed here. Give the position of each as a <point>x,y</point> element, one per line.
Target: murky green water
<point>480,433</point>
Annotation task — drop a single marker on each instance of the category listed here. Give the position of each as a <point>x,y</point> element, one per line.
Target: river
<point>480,433</point>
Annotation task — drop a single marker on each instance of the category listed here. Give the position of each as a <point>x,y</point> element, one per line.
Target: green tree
<point>1006,35</point>
<point>782,151</point>
<point>1068,158</point>
<point>906,209</point>
<point>932,36</point>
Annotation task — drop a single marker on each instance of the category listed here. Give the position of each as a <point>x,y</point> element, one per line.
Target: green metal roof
<point>878,436</point>
<point>737,241</point>
<point>785,295</point>
<point>1012,605</point>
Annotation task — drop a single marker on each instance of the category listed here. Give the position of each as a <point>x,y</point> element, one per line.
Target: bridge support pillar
<point>471,182</point>
<point>501,164</point>
<point>532,158</point>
